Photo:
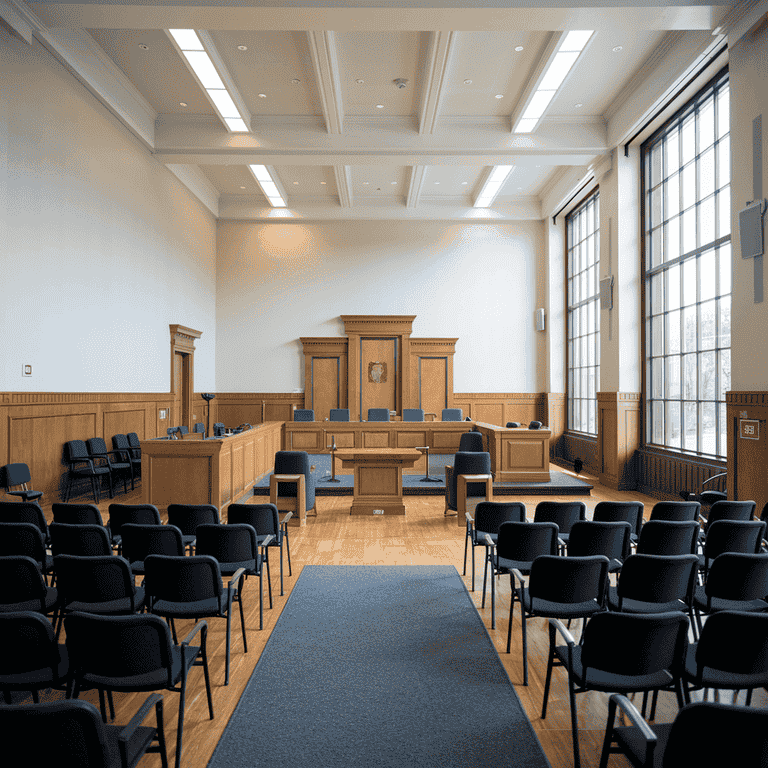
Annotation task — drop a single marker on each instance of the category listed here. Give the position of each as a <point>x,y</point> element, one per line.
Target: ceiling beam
<point>416,185</point>
<point>197,183</point>
<point>322,47</point>
<point>17,19</point>
<point>439,56</point>
<point>343,175</point>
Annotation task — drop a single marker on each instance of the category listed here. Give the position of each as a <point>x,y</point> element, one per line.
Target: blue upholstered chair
<point>304,414</point>
<point>471,442</point>
<point>339,414</point>
<point>458,492</point>
<point>378,414</point>
<point>452,414</point>
<point>297,496</point>
<point>14,478</point>
<point>199,427</point>
<point>413,414</point>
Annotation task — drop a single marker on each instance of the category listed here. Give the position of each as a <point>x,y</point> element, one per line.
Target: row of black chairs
<point>91,459</point>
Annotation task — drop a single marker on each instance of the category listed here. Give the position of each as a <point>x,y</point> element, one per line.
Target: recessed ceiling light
<point>143,47</point>
<point>379,106</point>
<point>467,82</point>
<point>182,103</point>
<point>242,187</point>
<point>437,182</point>
<point>393,182</point>
<point>295,81</point>
<point>518,48</point>
<point>295,182</point>
<point>365,183</point>
<point>262,95</point>
<point>519,187</point>
<point>359,82</point>
<point>463,183</point>
<point>538,166</point>
<point>618,48</point>
<point>242,47</point>
<point>499,95</point>
<point>578,106</point>
<point>322,182</point>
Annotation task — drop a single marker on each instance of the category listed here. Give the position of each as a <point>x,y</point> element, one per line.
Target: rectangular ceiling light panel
<point>554,76</point>
<point>493,185</point>
<point>200,63</point>
<point>268,186</point>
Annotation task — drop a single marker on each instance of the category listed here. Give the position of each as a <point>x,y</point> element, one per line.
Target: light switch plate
<point>26,370</point>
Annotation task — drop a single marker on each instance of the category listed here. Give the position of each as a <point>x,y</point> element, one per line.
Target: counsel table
<point>378,478</point>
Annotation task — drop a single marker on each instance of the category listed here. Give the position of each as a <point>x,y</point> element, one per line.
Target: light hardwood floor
<point>422,537</point>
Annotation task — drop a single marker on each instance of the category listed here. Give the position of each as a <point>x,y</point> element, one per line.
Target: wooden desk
<point>217,471</point>
<point>378,478</point>
<point>518,454</point>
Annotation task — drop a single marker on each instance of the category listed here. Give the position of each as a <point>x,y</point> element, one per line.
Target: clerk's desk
<point>214,471</point>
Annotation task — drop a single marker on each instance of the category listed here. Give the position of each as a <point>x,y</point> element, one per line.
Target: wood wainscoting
<point>747,414</point>
<point>500,408</point>
<point>35,425</point>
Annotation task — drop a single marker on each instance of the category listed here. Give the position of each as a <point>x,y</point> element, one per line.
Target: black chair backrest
<point>675,510</point>
<point>730,510</point>
<point>304,414</point>
<point>20,581</point>
<point>24,512</point>
<point>22,539</point>
<point>76,450</point>
<point>186,517</point>
<point>14,474</point>
<point>139,541</point>
<point>733,536</point>
<point>526,541</point>
<point>85,540</point>
<point>232,543</point>
<point>649,643</point>
<point>705,733</point>
<point>563,513</point>
<point>264,518</point>
<point>183,579</point>
<point>339,414</point>
<point>615,511</point>
<point>668,537</point>
<point>55,728</point>
<point>658,578</point>
<point>96,446</point>
<point>471,441</point>
<point>413,414</point>
<point>568,579</point>
<point>378,414</point>
<point>451,414</point>
<point>93,579</point>
<point>593,537</point>
<point>295,463</point>
<point>106,646</point>
<point>120,443</point>
<point>738,576</point>
<point>468,463</point>
<point>142,514</point>
<point>76,514</point>
<point>489,515</point>
<point>735,642</point>
<point>135,443</point>
<point>27,642</point>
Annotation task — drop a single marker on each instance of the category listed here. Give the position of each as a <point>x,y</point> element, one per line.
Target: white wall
<point>101,247</point>
<point>278,282</point>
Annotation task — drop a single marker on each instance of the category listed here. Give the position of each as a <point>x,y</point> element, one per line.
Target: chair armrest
<point>621,702</point>
<point>155,701</point>
<point>560,627</point>
<point>288,516</point>
<point>80,461</point>
<point>238,574</point>
<point>489,541</point>
<point>201,625</point>
<point>266,541</point>
<point>518,576</point>
<point>469,517</point>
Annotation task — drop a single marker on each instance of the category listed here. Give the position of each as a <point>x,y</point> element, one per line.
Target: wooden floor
<point>422,537</point>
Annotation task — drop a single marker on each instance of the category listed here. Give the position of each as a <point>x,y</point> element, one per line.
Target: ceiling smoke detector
<point>400,82</point>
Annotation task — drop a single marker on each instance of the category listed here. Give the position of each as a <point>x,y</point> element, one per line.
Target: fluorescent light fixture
<point>199,61</point>
<point>224,103</point>
<point>268,187</point>
<point>493,185</point>
<point>203,67</point>
<point>554,76</point>
<point>187,39</point>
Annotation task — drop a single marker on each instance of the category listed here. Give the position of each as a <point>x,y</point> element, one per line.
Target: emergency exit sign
<point>749,429</point>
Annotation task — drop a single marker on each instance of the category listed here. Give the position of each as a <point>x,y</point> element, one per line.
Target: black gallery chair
<point>186,517</point>
<point>563,514</point>
<point>22,587</point>
<point>731,536</point>
<point>649,658</point>
<point>489,515</point>
<point>675,510</point>
<point>295,495</point>
<point>590,537</point>
<point>140,514</point>
<point>141,541</point>
<point>76,514</point>
<point>102,652</point>
<point>82,540</point>
<point>81,465</point>
<point>25,512</point>
<point>76,735</point>
<point>621,511</point>
<point>25,539</point>
<point>702,734</point>
<point>461,494</point>
<point>122,444</point>
<point>471,441</point>
<point>119,462</point>
<point>668,537</point>
<point>15,479</point>
<point>266,521</point>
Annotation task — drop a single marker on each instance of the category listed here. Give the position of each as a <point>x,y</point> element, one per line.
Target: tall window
<point>687,250</point>
<point>583,317</point>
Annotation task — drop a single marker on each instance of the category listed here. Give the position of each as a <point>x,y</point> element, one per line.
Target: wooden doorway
<point>182,373</point>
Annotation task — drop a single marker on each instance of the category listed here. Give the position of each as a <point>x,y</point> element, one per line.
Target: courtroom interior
<point>363,230</point>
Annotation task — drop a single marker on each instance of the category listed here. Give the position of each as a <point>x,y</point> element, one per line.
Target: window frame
<point>659,361</point>
<point>591,197</point>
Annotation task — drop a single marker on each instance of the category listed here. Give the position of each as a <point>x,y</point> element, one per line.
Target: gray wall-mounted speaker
<point>540,320</point>
<point>751,229</point>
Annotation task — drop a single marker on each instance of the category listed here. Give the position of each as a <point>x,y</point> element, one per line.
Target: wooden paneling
<point>664,474</point>
<point>378,439</point>
<point>235,408</point>
<point>326,385</point>
<point>501,408</point>
<point>432,383</point>
<point>748,457</point>
<point>517,454</point>
<point>123,422</point>
<point>177,479</point>
<point>618,418</point>
<point>554,418</point>
<point>379,390</point>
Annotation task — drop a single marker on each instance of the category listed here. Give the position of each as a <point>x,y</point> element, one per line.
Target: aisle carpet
<point>379,666</point>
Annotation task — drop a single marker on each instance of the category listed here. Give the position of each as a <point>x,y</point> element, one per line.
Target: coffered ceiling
<point>315,81</point>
